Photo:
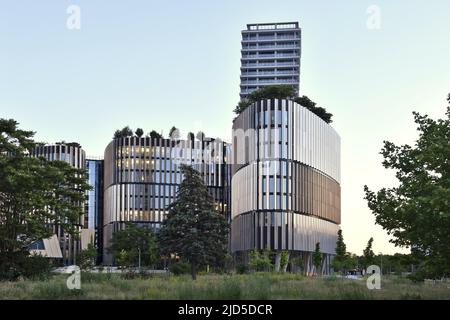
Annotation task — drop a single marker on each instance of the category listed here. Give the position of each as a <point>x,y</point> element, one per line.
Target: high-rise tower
<point>270,56</point>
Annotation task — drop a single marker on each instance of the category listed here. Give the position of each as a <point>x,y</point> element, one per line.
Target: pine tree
<point>317,257</point>
<point>193,229</point>
<point>339,260</point>
<point>368,254</point>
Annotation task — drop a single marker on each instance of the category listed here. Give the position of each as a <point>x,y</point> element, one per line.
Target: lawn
<point>260,286</point>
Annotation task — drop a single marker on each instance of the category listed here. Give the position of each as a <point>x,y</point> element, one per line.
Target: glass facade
<point>142,177</point>
<point>94,202</point>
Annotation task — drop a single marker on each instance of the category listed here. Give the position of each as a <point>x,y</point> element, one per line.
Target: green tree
<point>124,132</point>
<point>200,136</point>
<point>139,132</point>
<point>368,257</point>
<point>132,240</point>
<point>317,258</point>
<point>86,258</point>
<point>283,92</point>
<point>340,259</point>
<point>155,135</point>
<point>268,92</point>
<point>311,106</point>
<point>190,136</point>
<point>174,133</point>
<point>193,229</point>
<point>417,212</point>
<point>117,134</point>
<point>284,259</point>
<point>35,195</point>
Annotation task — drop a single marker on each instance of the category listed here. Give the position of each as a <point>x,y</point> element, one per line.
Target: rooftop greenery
<point>283,92</point>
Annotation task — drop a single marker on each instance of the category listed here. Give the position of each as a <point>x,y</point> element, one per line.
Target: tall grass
<point>259,286</point>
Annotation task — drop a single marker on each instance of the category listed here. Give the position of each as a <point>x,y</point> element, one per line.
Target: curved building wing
<point>286,180</point>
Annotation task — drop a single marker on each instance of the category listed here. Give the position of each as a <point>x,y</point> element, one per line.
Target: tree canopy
<point>155,135</point>
<point>127,243</point>
<point>417,212</point>
<point>174,133</point>
<point>139,132</point>
<point>368,257</point>
<point>283,92</point>
<point>317,258</point>
<point>35,194</point>
<point>193,229</point>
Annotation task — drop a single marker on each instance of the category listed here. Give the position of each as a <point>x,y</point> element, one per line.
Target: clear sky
<point>154,64</point>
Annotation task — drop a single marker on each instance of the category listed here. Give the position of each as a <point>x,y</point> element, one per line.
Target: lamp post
<point>139,250</point>
<point>381,257</point>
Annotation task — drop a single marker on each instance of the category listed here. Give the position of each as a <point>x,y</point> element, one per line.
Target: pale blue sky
<point>154,64</point>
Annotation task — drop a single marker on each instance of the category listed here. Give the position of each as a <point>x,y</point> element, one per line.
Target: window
<point>271,184</point>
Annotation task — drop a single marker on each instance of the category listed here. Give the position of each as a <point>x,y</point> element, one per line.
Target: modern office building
<point>286,181</point>
<point>142,176</point>
<point>73,154</point>
<point>270,55</point>
<point>94,203</point>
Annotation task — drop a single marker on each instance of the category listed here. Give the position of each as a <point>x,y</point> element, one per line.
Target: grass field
<point>260,286</point>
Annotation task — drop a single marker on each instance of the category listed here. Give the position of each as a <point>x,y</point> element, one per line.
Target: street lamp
<point>381,257</point>
<point>139,250</point>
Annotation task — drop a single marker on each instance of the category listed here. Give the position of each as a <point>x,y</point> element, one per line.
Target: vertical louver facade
<point>142,176</point>
<point>73,154</point>
<point>286,181</point>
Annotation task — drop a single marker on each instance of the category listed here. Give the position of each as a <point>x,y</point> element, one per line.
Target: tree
<point>35,196</point>
<point>139,132</point>
<point>125,132</point>
<point>268,92</point>
<point>283,92</point>
<point>193,229</point>
<point>117,134</point>
<point>340,259</point>
<point>416,212</point>
<point>200,136</point>
<point>368,255</point>
<point>317,258</point>
<point>126,244</point>
<point>311,106</point>
<point>284,260</point>
<point>155,135</point>
<point>86,258</point>
<point>174,133</point>
<point>190,136</point>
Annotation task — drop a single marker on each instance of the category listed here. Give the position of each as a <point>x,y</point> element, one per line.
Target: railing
<point>276,47</point>
<point>269,56</point>
<point>271,64</point>
<point>291,37</point>
<point>273,73</point>
<point>269,81</point>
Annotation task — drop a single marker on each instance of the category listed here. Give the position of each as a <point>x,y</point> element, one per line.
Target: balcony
<point>259,82</point>
<point>270,65</point>
<point>272,73</point>
<point>273,48</point>
<point>271,38</point>
<point>270,56</point>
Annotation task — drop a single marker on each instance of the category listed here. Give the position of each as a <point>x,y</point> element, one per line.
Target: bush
<point>242,269</point>
<point>37,267</point>
<point>180,267</point>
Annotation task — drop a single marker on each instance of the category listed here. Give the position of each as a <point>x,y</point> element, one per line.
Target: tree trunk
<point>194,270</point>
<point>277,261</point>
